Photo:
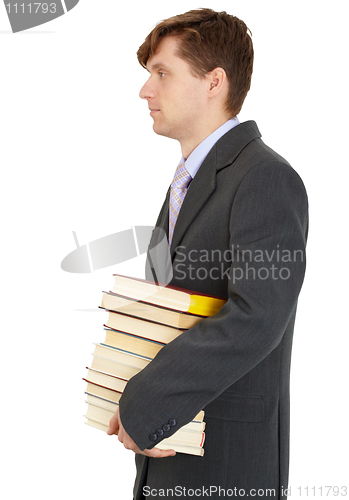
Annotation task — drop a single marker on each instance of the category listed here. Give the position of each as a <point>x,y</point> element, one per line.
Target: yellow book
<point>151,312</point>
<point>168,296</point>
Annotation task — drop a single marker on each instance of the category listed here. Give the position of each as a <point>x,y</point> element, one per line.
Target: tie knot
<point>181,178</point>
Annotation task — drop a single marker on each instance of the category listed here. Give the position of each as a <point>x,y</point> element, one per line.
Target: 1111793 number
<point>31,8</point>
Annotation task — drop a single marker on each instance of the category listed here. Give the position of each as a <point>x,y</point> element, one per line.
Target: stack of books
<point>142,318</point>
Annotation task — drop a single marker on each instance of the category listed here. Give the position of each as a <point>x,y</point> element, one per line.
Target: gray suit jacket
<point>241,235</point>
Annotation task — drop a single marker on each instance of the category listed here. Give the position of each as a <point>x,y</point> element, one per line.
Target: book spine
<point>205,306</point>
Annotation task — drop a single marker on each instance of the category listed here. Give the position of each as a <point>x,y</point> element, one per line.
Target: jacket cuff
<point>148,436</point>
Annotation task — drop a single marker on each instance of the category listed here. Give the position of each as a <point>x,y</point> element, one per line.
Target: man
<point>238,231</point>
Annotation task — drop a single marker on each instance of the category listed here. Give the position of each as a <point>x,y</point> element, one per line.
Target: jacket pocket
<point>238,408</point>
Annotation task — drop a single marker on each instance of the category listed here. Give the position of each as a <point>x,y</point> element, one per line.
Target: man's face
<point>176,98</point>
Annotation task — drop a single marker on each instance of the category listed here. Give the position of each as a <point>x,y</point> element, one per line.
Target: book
<point>168,296</point>
<point>142,328</point>
<point>148,311</point>
<point>104,403</point>
<point>102,392</point>
<point>113,367</point>
<point>115,354</point>
<point>105,380</point>
<point>152,312</point>
<point>132,344</point>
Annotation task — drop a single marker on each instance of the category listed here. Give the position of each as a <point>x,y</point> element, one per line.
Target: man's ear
<point>217,81</point>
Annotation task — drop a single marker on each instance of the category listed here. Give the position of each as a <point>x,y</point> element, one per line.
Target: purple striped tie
<point>179,188</point>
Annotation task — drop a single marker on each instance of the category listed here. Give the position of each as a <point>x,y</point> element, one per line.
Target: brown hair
<point>208,40</point>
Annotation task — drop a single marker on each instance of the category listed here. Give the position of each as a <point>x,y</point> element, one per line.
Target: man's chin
<point>161,130</point>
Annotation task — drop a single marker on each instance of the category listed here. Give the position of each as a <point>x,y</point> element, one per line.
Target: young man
<point>237,229</point>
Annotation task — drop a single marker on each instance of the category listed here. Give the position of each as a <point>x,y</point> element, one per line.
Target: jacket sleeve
<point>267,231</point>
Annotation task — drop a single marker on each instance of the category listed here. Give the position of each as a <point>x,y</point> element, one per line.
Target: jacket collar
<point>222,154</point>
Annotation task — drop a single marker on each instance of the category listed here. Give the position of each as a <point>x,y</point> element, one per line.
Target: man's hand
<point>116,427</point>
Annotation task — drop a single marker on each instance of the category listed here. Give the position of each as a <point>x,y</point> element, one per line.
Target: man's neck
<point>189,144</point>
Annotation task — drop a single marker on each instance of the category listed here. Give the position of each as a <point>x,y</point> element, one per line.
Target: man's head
<point>208,40</point>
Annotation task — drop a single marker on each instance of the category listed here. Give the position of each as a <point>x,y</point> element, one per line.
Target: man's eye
<point>161,74</point>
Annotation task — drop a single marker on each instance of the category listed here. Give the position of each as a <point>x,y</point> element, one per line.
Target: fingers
<point>156,453</point>
<point>116,427</point>
<point>129,444</point>
<point>122,436</point>
<point>114,423</point>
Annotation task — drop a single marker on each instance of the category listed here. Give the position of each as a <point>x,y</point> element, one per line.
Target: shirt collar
<point>196,158</point>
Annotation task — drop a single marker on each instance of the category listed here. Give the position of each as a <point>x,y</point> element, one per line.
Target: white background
<point>77,150</point>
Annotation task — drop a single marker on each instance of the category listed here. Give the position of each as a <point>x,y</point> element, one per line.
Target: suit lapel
<point>163,219</point>
<point>223,154</point>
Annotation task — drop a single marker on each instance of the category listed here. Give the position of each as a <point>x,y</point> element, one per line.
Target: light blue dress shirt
<point>196,158</point>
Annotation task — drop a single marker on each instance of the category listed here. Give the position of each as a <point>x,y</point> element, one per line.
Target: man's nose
<point>147,91</point>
